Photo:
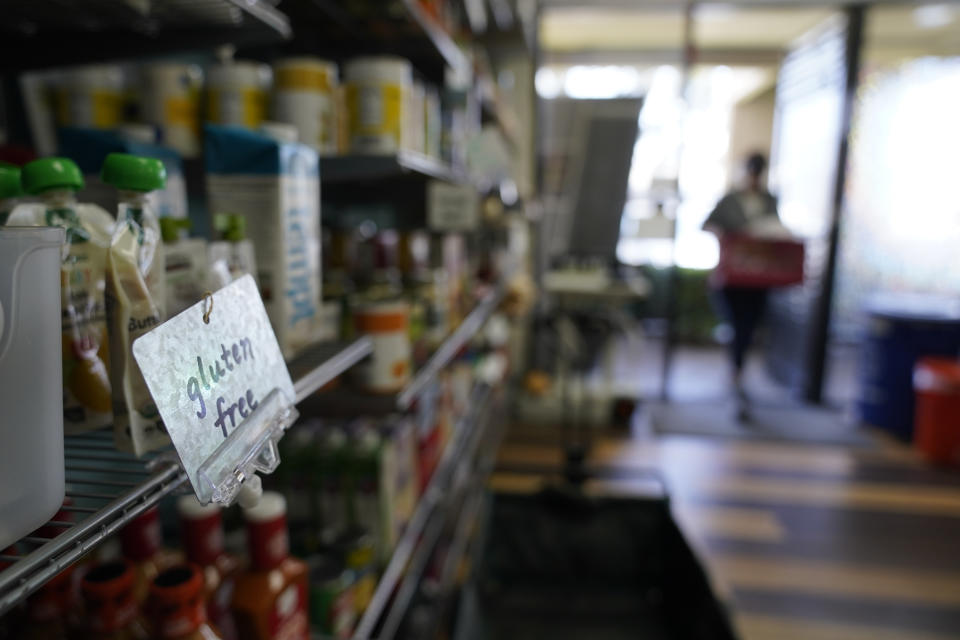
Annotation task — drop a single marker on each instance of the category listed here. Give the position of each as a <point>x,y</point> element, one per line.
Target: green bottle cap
<point>133,173</point>
<point>232,226</point>
<point>170,228</point>
<point>10,181</point>
<point>50,173</point>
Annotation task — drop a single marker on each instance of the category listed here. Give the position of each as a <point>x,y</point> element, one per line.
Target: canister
<point>237,93</point>
<point>388,368</point>
<point>304,95</point>
<point>376,96</point>
<point>171,102</point>
<point>90,97</point>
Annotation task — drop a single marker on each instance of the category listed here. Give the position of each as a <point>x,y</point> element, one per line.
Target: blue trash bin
<point>900,328</point>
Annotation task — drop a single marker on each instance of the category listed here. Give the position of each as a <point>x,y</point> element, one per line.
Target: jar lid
<point>10,181</point>
<point>51,173</point>
<point>134,173</point>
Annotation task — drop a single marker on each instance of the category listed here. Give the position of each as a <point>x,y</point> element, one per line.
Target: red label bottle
<point>141,541</point>
<point>202,538</point>
<point>270,599</point>
<point>110,607</point>
<point>176,607</point>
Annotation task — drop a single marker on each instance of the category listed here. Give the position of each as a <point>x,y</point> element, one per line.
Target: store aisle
<point>803,541</point>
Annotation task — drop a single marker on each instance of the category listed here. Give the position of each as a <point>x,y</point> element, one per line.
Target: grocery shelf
<point>412,551</point>
<point>347,402</point>
<point>358,168</point>
<point>441,39</point>
<point>111,488</point>
<point>40,33</point>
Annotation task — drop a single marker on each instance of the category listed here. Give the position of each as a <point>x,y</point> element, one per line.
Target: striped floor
<point>802,541</point>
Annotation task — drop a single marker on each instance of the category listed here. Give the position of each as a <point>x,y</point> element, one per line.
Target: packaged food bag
<point>86,379</point>
<point>135,297</point>
<point>275,186</point>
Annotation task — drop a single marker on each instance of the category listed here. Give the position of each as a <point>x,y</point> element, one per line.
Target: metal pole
<point>820,331</point>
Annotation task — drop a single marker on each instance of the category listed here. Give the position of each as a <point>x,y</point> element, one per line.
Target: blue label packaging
<point>275,186</point>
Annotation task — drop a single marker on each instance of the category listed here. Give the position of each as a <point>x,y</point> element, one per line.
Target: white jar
<point>304,95</point>
<point>237,93</point>
<point>387,323</point>
<point>414,127</point>
<point>90,97</point>
<point>377,90</point>
<point>171,103</point>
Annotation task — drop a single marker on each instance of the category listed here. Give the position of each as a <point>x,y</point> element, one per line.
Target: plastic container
<point>900,329</point>
<point>388,368</point>
<point>304,95</point>
<point>171,102</point>
<point>376,97</point>
<point>175,608</point>
<point>31,460</point>
<point>749,261</point>
<point>90,97</point>
<point>237,93</point>
<point>936,382</point>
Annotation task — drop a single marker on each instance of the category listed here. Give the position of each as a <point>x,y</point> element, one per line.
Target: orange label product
<point>110,607</point>
<point>175,609</point>
<point>270,599</point>
<point>388,369</point>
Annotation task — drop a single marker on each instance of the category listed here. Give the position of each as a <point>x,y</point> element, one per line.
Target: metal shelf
<point>413,550</point>
<point>347,402</point>
<point>39,33</point>
<point>358,168</point>
<point>111,488</point>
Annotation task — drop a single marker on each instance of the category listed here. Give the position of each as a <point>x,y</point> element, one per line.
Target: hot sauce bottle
<point>141,542</point>
<point>110,607</point>
<point>270,599</point>
<point>176,607</point>
<point>201,530</point>
<point>50,608</point>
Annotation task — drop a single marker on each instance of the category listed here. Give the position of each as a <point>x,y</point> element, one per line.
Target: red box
<point>749,261</point>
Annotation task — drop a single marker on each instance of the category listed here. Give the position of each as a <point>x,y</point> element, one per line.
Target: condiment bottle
<point>49,609</point>
<point>270,599</point>
<point>141,542</point>
<point>176,608</point>
<point>109,603</point>
<point>201,529</point>
<point>10,190</point>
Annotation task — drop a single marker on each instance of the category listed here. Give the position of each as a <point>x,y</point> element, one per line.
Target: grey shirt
<point>735,212</point>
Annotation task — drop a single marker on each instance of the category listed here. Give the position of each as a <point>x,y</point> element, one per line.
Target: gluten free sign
<point>207,378</point>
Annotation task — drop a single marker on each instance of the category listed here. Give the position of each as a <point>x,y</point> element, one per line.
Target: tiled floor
<point>804,541</point>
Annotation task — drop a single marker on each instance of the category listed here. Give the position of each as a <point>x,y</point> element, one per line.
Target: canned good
<point>359,552</point>
<point>171,102</point>
<point>388,368</point>
<point>376,96</point>
<point>332,609</point>
<point>305,96</point>
<point>237,93</point>
<point>90,97</point>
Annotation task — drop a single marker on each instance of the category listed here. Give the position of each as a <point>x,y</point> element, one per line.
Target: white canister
<point>304,95</point>
<point>387,323</point>
<point>237,93</point>
<point>433,123</point>
<point>31,387</point>
<point>90,97</point>
<point>414,136</point>
<point>377,90</point>
<point>171,103</point>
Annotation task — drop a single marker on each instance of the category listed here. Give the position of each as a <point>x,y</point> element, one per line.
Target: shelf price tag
<point>452,207</point>
<point>219,379</point>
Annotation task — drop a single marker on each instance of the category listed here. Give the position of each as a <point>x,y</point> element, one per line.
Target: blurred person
<point>743,211</point>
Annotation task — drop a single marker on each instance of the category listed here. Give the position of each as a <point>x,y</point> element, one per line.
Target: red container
<point>749,261</point>
<point>936,382</point>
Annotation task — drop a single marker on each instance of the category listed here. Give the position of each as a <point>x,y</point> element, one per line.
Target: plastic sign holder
<point>222,387</point>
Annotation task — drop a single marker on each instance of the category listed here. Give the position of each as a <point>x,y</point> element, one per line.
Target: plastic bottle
<point>270,600</point>
<point>175,608</point>
<point>201,531</point>
<point>110,607</point>
<point>135,297</point>
<point>10,190</point>
<point>142,544</point>
<point>233,255</point>
<point>185,265</point>
<point>86,393</point>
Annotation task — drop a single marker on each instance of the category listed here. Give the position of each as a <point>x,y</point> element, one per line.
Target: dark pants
<point>743,308</point>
